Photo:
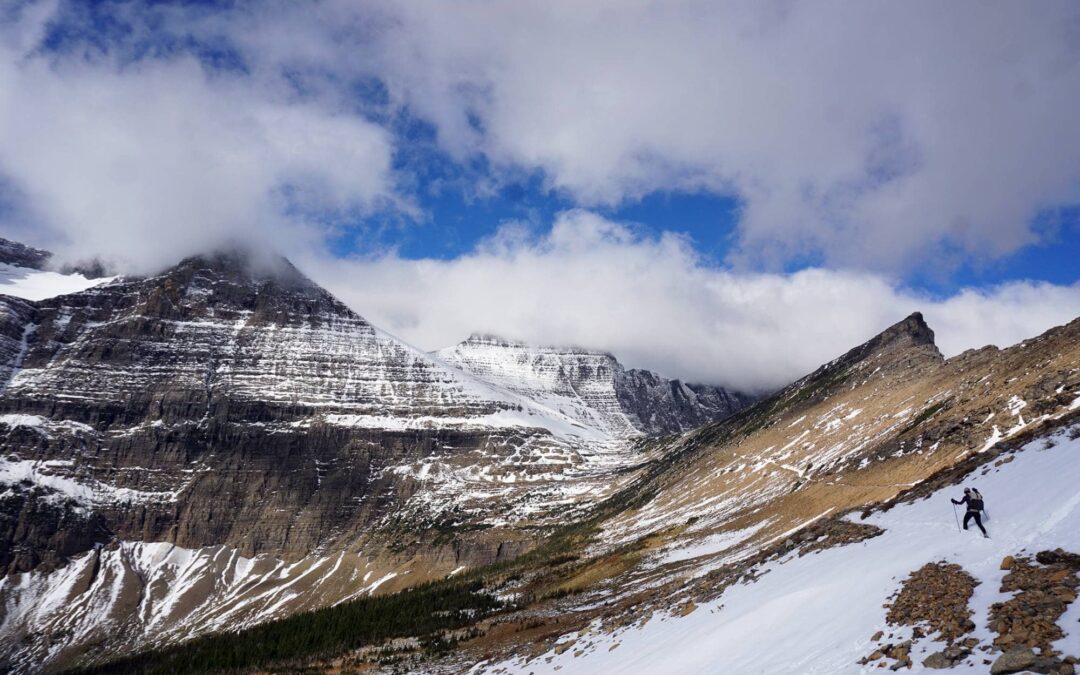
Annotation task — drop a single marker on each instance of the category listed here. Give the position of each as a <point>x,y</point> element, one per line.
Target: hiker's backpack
<point>978,495</point>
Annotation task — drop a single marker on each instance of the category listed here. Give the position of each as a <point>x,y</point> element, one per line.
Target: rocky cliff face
<point>217,404</point>
<point>593,387</point>
<point>658,405</point>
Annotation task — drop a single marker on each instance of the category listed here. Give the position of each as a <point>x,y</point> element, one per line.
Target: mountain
<point>592,387</point>
<point>229,443</point>
<point>770,541</point>
<point>16,254</point>
<point>194,461</point>
<point>916,594</point>
<point>883,416</point>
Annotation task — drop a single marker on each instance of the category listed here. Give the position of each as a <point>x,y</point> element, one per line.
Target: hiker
<point>974,503</point>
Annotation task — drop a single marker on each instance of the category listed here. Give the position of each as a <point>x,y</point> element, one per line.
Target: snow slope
<point>149,593</point>
<point>815,614</point>
<point>31,284</point>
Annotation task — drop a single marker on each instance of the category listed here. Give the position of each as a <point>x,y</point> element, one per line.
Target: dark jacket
<point>973,503</point>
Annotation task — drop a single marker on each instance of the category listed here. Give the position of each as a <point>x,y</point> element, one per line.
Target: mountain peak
<point>914,327</point>
<point>240,262</point>
<point>482,339</point>
<point>910,333</point>
<point>591,386</point>
<point>907,345</point>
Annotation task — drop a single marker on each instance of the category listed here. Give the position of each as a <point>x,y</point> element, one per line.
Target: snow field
<point>30,284</point>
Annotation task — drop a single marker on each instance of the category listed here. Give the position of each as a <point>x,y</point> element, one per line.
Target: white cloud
<point>655,304</point>
<point>869,136</point>
<point>147,162</point>
<point>873,135</point>
<point>878,137</point>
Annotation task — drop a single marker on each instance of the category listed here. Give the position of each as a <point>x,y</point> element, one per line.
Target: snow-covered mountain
<point>592,387</point>
<point>770,542</point>
<point>233,411</point>
<point>214,366</point>
<point>18,254</point>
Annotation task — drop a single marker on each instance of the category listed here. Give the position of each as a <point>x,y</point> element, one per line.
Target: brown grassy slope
<point>860,430</point>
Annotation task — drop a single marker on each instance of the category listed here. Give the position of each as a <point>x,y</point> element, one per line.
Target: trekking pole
<point>956,517</point>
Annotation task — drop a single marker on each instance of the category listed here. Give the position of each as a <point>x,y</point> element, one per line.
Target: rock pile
<point>951,655</point>
<point>835,532</point>
<point>1044,588</point>
<point>900,653</point>
<point>932,600</point>
<point>936,594</point>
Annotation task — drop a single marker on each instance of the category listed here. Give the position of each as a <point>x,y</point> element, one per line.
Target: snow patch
<point>35,285</point>
<point>710,545</point>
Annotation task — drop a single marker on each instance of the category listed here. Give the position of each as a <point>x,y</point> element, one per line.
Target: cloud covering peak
<point>146,162</point>
<point>865,144</point>
<point>655,303</point>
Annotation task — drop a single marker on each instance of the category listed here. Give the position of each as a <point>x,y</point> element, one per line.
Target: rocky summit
<point>223,467</point>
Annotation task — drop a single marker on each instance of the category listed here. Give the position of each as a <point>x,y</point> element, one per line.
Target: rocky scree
<point>933,601</point>
<point>1043,589</point>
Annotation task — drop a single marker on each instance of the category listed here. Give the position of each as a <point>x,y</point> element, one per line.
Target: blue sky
<point>455,221</point>
<point>416,156</point>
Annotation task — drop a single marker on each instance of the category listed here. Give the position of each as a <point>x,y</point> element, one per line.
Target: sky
<point>727,192</point>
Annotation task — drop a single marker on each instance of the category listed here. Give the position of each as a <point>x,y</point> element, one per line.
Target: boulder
<point>1013,661</point>
<point>1058,556</point>
<point>937,660</point>
<point>560,648</point>
<point>1007,562</point>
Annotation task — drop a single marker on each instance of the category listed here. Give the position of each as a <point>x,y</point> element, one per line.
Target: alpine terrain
<point>222,467</point>
<point>226,443</point>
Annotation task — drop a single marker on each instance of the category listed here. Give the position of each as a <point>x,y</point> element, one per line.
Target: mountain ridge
<point>593,386</point>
